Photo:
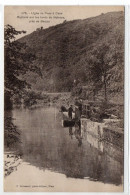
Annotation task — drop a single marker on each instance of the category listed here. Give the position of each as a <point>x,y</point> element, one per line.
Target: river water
<point>61,159</point>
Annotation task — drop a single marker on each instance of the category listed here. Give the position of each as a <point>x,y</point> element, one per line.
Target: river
<point>59,159</point>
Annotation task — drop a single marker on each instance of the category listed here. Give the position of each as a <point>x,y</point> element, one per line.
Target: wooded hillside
<point>89,52</point>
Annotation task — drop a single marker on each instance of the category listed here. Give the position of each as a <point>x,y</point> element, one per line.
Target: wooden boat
<point>68,123</point>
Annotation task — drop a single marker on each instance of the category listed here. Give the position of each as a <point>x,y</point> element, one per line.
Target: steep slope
<point>64,52</point>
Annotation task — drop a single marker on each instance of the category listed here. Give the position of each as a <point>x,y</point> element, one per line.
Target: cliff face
<point>73,51</point>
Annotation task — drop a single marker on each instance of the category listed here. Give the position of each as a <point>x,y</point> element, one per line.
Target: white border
<point>65,2</point>
<point>127,73</point>
<point>129,92</point>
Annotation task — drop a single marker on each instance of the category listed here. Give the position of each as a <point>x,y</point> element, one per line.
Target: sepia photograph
<point>64,98</point>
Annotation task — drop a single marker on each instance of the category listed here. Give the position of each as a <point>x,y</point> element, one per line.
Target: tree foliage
<point>18,60</point>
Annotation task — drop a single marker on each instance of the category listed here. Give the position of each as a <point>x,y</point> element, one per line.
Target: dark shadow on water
<point>12,138</point>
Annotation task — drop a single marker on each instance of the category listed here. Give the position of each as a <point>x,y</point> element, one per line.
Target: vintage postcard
<point>64,98</point>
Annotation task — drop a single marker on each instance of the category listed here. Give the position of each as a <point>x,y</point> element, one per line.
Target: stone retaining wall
<point>102,132</point>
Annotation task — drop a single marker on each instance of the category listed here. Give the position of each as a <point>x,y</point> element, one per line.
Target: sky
<point>29,18</point>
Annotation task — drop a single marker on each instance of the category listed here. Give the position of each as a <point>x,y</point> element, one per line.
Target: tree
<point>18,60</point>
<point>99,61</point>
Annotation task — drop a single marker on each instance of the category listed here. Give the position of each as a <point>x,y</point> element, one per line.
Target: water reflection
<point>76,133</point>
<point>71,132</point>
<point>72,151</point>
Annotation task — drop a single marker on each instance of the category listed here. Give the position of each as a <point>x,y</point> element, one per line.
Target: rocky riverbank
<point>11,163</point>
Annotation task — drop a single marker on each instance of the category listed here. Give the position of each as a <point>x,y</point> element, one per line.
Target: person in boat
<point>63,109</point>
<point>70,111</point>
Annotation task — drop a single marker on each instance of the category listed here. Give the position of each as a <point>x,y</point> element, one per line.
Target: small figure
<point>63,109</point>
<point>78,110</point>
<point>70,110</point>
